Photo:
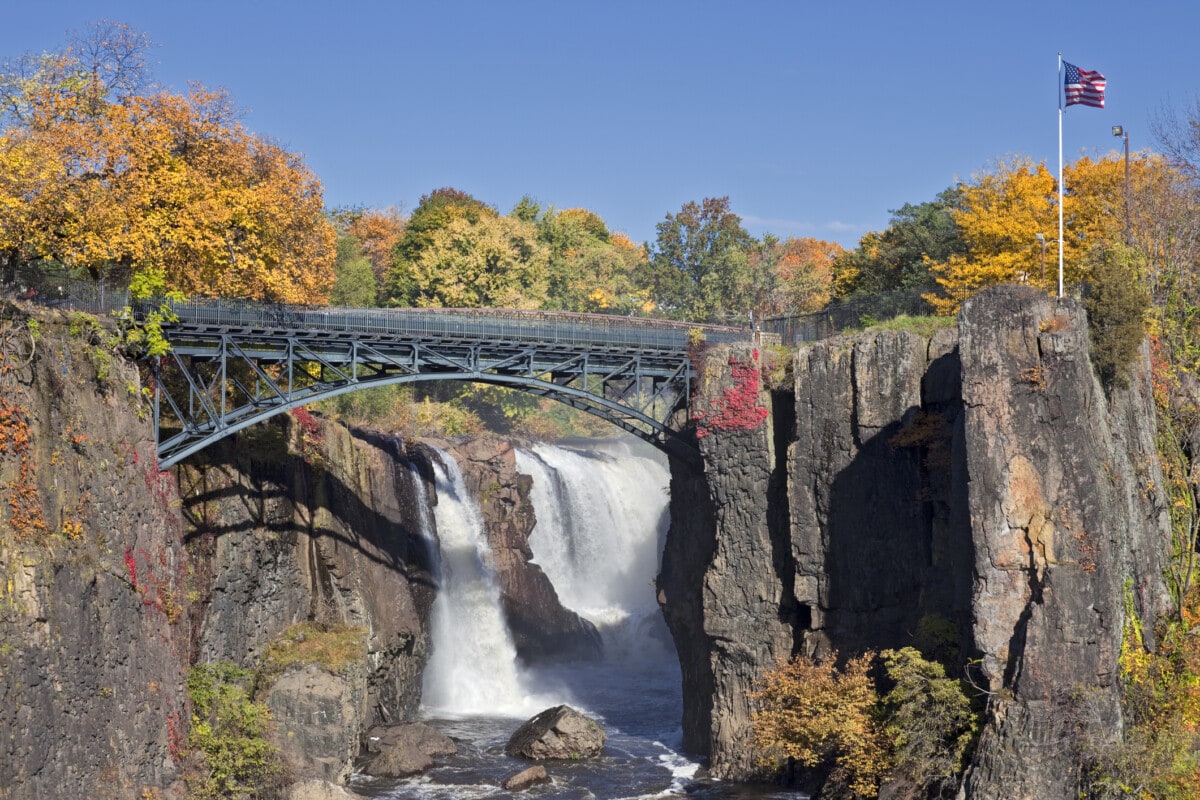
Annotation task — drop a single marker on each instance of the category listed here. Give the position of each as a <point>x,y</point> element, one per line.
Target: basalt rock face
<point>540,626</point>
<point>93,647</point>
<point>1066,507</point>
<point>332,537</point>
<point>979,484</point>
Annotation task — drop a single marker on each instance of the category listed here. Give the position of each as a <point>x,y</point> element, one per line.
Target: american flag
<point>1083,87</point>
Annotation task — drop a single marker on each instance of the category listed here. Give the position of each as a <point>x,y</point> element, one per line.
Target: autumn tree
<point>590,268</point>
<point>492,262</point>
<point>824,718</point>
<point>700,264</point>
<point>800,273</point>
<point>377,232</point>
<point>169,190</point>
<point>999,214</point>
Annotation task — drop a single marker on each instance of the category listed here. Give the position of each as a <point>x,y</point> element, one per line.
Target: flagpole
<point>1060,178</point>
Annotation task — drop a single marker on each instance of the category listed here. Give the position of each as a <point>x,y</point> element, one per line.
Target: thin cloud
<point>798,226</point>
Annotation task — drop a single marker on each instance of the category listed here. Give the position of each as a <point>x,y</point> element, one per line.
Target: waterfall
<point>473,665</point>
<point>602,515</point>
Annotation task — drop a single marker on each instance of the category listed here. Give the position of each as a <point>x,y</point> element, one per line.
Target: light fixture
<point>1118,130</point>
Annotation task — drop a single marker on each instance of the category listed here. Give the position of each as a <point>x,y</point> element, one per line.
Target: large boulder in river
<point>559,732</point>
<point>402,750</point>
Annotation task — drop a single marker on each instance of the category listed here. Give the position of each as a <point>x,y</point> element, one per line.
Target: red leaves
<point>737,408</point>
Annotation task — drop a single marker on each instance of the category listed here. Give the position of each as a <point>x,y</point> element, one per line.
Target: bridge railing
<point>591,330</point>
<point>56,287</point>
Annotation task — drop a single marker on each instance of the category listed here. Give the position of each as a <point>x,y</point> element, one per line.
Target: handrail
<point>542,327</point>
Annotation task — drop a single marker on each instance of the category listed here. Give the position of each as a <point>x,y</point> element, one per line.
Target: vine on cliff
<point>24,497</point>
<point>737,409</point>
<point>312,442</point>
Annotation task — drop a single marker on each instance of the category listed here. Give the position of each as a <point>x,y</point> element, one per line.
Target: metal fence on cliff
<point>839,316</point>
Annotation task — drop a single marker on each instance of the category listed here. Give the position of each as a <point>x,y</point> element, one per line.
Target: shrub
<point>916,737</point>
<point>822,717</point>
<point>1116,306</point>
<point>228,735</point>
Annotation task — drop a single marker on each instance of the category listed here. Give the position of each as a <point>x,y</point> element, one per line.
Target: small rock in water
<point>559,732</point>
<point>534,776</point>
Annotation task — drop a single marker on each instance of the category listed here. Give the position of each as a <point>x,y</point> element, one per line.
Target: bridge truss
<point>233,366</point>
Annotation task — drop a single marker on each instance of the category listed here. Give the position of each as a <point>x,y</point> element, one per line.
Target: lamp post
<point>1042,241</point>
<point>1118,130</point>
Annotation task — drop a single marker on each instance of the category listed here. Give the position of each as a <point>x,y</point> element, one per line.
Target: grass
<point>333,647</point>
<point>922,326</point>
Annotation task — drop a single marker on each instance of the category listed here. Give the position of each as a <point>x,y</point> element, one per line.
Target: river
<point>602,518</point>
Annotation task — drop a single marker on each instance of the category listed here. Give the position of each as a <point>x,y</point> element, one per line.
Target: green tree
<point>436,211</point>
<point>929,719</point>
<point>700,264</point>
<point>354,281</point>
<point>1117,305</point>
<point>898,258</point>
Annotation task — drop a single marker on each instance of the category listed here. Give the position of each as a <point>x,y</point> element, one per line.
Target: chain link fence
<point>839,316</point>
<point>56,287</point>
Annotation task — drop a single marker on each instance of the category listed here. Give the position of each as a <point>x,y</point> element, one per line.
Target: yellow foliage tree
<point>999,215</point>
<point>1003,211</point>
<point>160,186</point>
<point>811,712</point>
<point>493,262</point>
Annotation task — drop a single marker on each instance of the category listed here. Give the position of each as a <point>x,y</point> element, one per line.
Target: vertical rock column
<point>1057,509</point>
<point>731,624</point>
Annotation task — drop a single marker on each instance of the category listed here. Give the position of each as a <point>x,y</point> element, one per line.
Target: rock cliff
<point>93,638</point>
<point>332,537</point>
<point>981,479</point>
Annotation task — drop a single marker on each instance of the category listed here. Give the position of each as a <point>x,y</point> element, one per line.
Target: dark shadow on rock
<point>899,542</point>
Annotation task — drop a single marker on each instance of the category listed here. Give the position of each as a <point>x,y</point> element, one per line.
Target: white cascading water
<point>601,518</point>
<point>472,668</point>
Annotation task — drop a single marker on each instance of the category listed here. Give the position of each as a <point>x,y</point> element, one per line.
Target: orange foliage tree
<point>803,273</point>
<point>170,190</point>
<point>377,231</point>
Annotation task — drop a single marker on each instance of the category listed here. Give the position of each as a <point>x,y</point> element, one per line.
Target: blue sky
<point>815,118</point>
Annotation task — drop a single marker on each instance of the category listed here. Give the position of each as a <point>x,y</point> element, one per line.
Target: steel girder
<point>214,383</point>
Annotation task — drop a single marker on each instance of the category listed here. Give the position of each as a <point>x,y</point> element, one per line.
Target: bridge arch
<point>233,366</point>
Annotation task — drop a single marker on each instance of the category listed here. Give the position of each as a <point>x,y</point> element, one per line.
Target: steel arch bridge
<point>231,366</point>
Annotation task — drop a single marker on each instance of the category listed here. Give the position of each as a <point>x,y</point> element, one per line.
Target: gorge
<point>981,477</point>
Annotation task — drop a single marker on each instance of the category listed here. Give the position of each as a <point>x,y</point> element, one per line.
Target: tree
<point>898,258</point>
<point>800,273</point>
<point>434,212</point>
<point>493,262</point>
<point>590,269</point>
<point>377,232</point>
<point>169,190</point>
<point>700,264</point>
<point>1117,305</point>
<point>355,285</point>
<point>998,215</point>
